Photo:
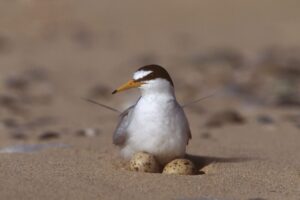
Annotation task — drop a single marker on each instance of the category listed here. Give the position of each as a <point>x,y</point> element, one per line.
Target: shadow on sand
<point>202,161</point>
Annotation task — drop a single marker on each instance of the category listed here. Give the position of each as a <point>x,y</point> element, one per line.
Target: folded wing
<point>120,134</point>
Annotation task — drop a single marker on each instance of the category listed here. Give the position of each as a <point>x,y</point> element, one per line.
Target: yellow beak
<point>128,85</point>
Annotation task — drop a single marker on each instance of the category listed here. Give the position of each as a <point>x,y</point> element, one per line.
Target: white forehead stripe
<point>140,74</point>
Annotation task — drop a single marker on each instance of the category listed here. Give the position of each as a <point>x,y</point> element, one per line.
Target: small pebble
<point>265,119</point>
<point>180,167</point>
<point>88,132</point>
<point>49,135</point>
<point>220,118</point>
<point>17,83</point>
<point>7,100</point>
<point>18,135</point>
<point>144,162</point>
<point>11,103</point>
<point>10,123</point>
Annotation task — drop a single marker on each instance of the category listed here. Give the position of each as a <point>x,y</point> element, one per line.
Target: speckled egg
<point>180,167</point>
<point>144,162</point>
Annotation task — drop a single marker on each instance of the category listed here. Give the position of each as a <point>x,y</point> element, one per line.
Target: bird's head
<point>150,78</point>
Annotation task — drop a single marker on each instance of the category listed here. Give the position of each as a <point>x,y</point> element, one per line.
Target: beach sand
<point>54,53</point>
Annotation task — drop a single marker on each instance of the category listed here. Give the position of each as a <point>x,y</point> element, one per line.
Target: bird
<point>156,123</point>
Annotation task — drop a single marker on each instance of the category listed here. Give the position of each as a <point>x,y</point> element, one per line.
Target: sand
<point>67,50</point>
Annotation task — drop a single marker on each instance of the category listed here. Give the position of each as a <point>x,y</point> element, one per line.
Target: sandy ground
<point>53,53</point>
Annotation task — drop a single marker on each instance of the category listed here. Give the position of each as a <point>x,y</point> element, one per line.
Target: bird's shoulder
<point>120,133</point>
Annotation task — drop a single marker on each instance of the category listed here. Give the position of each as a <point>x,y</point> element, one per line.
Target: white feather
<point>140,74</point>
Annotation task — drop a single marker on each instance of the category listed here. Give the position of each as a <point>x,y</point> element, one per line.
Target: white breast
<point>158,126</point>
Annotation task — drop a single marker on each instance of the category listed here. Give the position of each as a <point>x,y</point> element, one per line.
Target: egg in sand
<point>180,167</point>
<point>144,162</point>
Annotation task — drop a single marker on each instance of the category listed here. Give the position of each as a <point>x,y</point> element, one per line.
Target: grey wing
<point>120,134</point>
<point>188,131</point>
<point>189,136</point>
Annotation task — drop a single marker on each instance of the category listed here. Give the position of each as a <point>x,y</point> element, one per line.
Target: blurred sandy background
<point>246,137</point>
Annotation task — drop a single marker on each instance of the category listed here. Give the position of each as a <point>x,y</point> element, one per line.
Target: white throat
<point>158,88</point>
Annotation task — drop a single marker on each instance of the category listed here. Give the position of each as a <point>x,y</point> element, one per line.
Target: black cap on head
<point>157,72</point>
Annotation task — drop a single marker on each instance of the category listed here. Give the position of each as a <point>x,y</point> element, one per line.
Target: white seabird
<point>156,123</point>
